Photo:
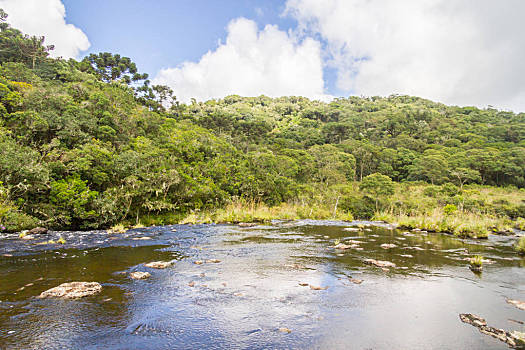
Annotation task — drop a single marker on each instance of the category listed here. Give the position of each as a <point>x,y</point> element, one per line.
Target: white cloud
<point>47,17</point>
<point>251,63</point>
<point>467,52</point>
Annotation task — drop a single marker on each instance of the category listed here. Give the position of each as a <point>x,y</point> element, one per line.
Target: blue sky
<point>447,51</point>
<point>166,32</point>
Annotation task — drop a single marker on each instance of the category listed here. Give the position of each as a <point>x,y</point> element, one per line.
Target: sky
<point>461,52</point>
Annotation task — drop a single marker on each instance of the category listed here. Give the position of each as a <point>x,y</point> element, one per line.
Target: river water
<point>253,295</point>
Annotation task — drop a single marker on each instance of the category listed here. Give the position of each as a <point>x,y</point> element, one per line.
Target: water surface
<point>243,301</point>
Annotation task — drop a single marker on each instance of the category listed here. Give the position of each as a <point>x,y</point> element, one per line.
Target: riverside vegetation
<point>92,144</point>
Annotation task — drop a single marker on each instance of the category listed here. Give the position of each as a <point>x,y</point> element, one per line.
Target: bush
<point>450,209</point>
<point>13,220</point>
<point>431,191</point>
<point>360,207</point>
<point>449,189</point>
<point>73,203</point>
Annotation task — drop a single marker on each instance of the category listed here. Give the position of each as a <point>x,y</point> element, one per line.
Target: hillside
<point>87,144</point>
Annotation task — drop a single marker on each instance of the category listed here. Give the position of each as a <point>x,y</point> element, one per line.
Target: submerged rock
<point>388,245</point>
<point>345,246</point>
<point>72,290</point>
<point>379,263</point>
<point>318,288</point>
<point>512,339</point>
<point>295,266</point>
<point>518,303</point>
<point>476,268</point>
<point>355,280</point>
<point>144,238</point>
<point>247,224</point>
<point>353,241</point>
<point>159,264</point>
<point>414,248</point>
<point>38,231</point>
<point>140,275</point>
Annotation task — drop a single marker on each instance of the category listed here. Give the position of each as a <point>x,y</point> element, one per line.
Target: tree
<point>16,47</point>
<point>34,48</point>
<point>464,175</point>
<point>332,165</point>
<point>111,67</point>
<point>432,166</point>
<point>377,185</point>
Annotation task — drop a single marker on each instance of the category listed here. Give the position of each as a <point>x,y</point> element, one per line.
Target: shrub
<point>431,191</point>
<point>360,207</point>
<point>450,209</point>
<point>449,189</point>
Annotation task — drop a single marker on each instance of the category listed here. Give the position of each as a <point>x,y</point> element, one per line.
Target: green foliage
<point>110,67</point>
<point>72,203</point>
<point>450,209</point>
<point>378,186</point>
<point>91,144</point>
<point>476,261</point>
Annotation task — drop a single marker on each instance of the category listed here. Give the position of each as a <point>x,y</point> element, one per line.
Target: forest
<point>91,143</point>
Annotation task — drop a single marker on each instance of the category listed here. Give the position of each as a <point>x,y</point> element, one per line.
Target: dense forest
<point>90,143</point>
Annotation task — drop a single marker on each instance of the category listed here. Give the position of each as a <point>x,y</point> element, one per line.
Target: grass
<point>475,212</point>
<point>520,246</point>
<point>243,211</point>
<point>118,228</point>
<point>520,224</point>
<point>460,223</point>
<point>476,261</point>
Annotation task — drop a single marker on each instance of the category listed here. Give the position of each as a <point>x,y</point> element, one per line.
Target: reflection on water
<point>255,289</point>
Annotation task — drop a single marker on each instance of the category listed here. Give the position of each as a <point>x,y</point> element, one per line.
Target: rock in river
<point>158,264</point>
<point>379,263</point>
<point>318,287</point>
<point>139,275</point>
<point>512,339</point>
<point>355,280</point>
<point>284,330</point>
<point>72,290</point>
<point>213,261</point>
<point>518,303</point>
<point>388,245</point>
<point>345,246</point>
<point>38,231</point>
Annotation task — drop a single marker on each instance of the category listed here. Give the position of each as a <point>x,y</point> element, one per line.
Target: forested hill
<point>90,143</point>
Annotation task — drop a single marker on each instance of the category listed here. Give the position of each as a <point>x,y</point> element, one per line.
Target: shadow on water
<point>264,281</point>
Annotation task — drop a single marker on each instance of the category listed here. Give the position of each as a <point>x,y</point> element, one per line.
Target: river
<point>258,295</point>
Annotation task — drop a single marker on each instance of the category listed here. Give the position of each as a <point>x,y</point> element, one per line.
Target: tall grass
<point>459,223</point>
<point>251,211</point>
